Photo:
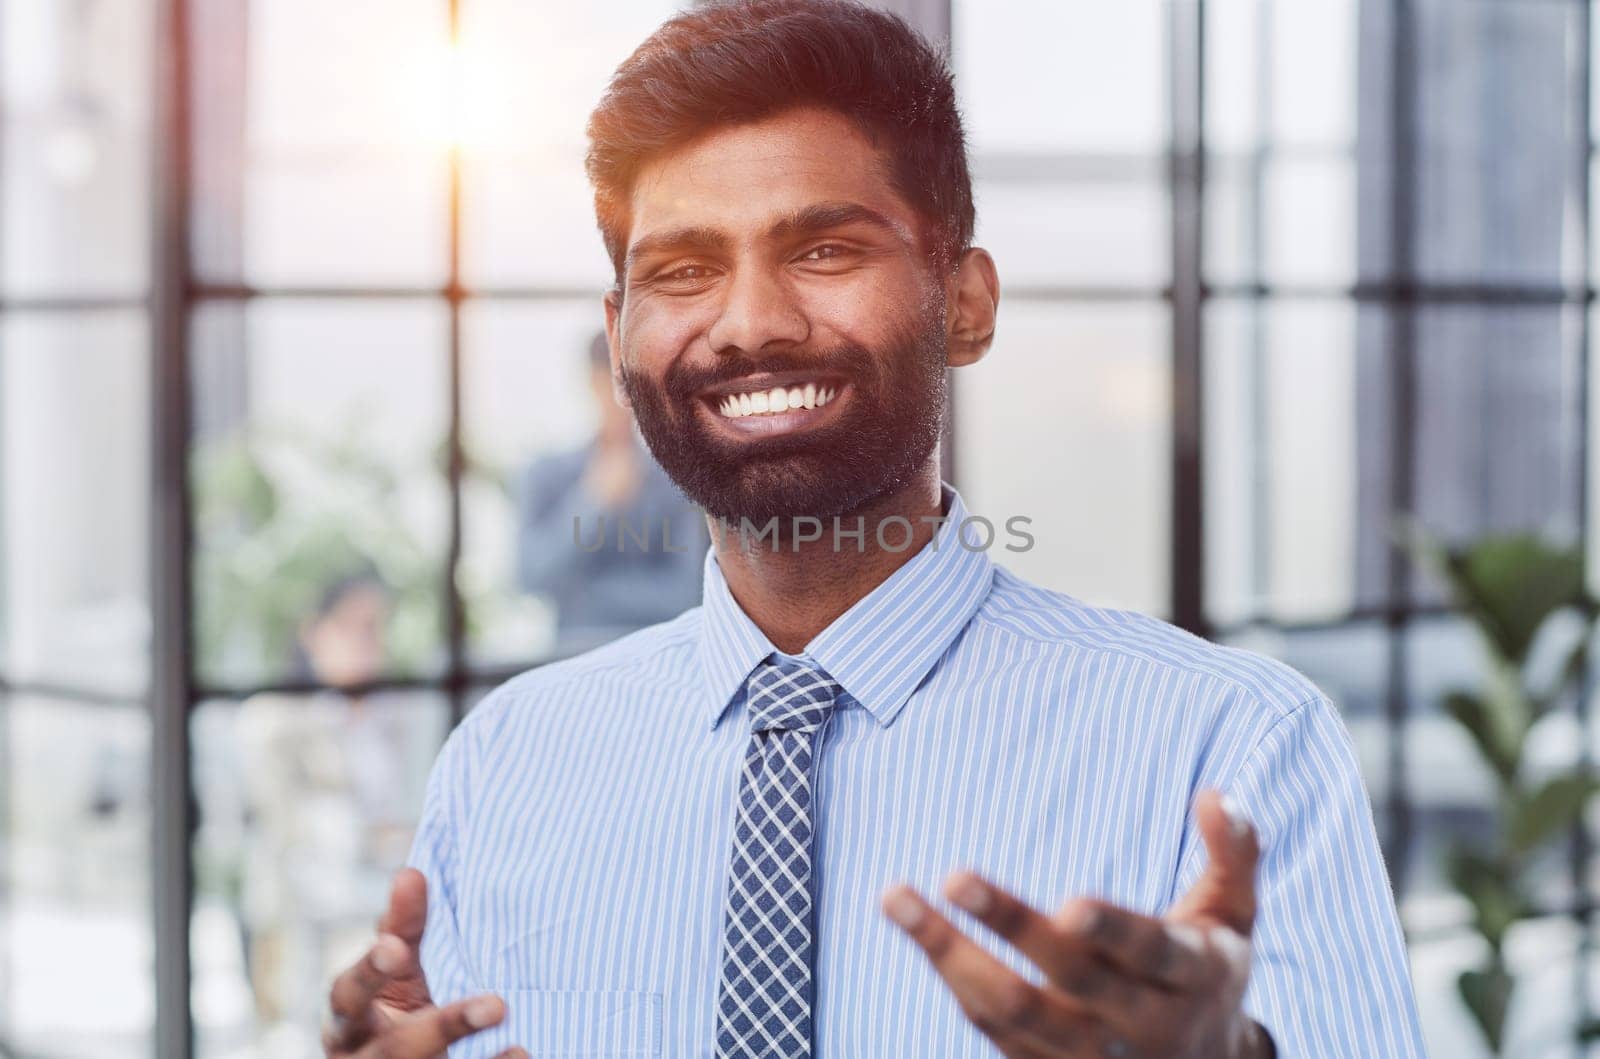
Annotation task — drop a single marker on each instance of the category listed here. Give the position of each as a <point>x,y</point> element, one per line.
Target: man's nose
<point>758,310</point>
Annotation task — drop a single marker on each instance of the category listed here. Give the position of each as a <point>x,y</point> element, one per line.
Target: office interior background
<point>293,292</point>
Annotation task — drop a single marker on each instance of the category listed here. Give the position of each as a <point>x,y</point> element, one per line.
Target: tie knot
<point>791,696</point>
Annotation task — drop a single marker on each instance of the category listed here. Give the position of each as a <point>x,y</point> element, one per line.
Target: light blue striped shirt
<point>578,823</point>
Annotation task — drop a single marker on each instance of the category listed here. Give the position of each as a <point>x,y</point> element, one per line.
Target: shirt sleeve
<point>548,561</point>
<point>445,964</point>
<point>1330,978</point>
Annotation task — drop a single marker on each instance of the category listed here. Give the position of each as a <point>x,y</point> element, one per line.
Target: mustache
<point>683,381</point>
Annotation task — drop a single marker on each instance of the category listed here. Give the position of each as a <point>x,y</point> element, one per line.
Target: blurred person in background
<point>611,482</point>
<point>324,782</point>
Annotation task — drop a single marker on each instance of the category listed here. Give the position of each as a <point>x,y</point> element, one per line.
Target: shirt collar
<point>883,646</point>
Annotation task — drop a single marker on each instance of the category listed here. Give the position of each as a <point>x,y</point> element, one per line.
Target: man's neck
<point>793,594</point>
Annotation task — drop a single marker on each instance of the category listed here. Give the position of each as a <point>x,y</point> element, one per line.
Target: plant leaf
<point>1552,807</point>
<point>1493,733</point>
<point>1571,671</point>
<point>1489,883</point>
<point>1512,584</point>
<point>1487,994</point>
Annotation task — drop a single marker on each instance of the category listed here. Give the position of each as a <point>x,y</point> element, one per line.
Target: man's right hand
<point>379,1007</point>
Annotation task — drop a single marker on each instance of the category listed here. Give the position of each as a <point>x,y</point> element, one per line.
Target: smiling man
<point>876,797</point>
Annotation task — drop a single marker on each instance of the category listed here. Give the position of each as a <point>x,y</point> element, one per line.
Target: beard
<point>886,431</point>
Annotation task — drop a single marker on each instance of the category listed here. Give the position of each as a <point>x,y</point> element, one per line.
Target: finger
<point>1167,955</point>
<point>1060,954</point>
<point>513,1053</point>
<point>1007,1008</point>
<point>407,913</point>
<point>1076,959</point>
<point>428,1032</point>
<point>350,999</point>
<point>1226,892</point>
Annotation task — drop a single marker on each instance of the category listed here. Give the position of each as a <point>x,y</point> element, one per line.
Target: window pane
<point>1086,389</point>
<point>74,210</point>
<point>1076,76</point>
<point>1591,441</point>
<point>1497,421</point>
<point>1235,224</point>
<point>537,409</point>
<point>1496,150</point>
<point>1235,499</point>
<point>75,896</point>
<point>1314,71</point>
<point>1281,73</point>
<point>316,466</point>
<point>1281,102</point>
<point>1287,220</point>
<point>339,174</point>
<point>1451,789</point>
<point>1095,229</point>
<point>529,221</point>
<point>1310,215</point>
<point>531,73</point>
<point>74,500</point>
<point>1594,245</point>
<point>1495,429</point>
<point>307,807</point>
<point>1281,458</point>
<point>1235,43</point>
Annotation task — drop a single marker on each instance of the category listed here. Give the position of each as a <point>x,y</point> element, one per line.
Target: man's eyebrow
<point>824,215</point>
<point>694,237</point>
<point>806,220</point>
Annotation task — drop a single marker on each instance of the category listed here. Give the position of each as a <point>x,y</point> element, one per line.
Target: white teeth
<point>777,399</point>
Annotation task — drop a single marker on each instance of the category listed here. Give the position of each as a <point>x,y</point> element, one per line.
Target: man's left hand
<point>1118,985</point>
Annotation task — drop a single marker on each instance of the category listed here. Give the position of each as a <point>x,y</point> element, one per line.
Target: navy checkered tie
<point>764,997</point>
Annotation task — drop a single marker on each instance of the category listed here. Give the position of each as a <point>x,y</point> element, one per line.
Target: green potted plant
<point>278,517</point>
<point>1535,618</point>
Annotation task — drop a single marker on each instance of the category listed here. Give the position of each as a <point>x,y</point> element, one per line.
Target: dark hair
<point>357,576</point>
<point>743,61</point>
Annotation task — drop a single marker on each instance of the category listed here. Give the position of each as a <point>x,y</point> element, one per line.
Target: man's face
<point>769,261</point>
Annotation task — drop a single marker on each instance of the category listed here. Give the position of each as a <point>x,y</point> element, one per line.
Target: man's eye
<point>687,272</point>
<point>823,252</point>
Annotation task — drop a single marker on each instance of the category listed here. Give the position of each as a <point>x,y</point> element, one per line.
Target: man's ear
<point>613,305</point>
<point>974,298</point>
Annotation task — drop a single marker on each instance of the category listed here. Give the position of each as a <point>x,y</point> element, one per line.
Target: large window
<point>75,728</point>
<point>1274,275</point>
<point>1397,236</point>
